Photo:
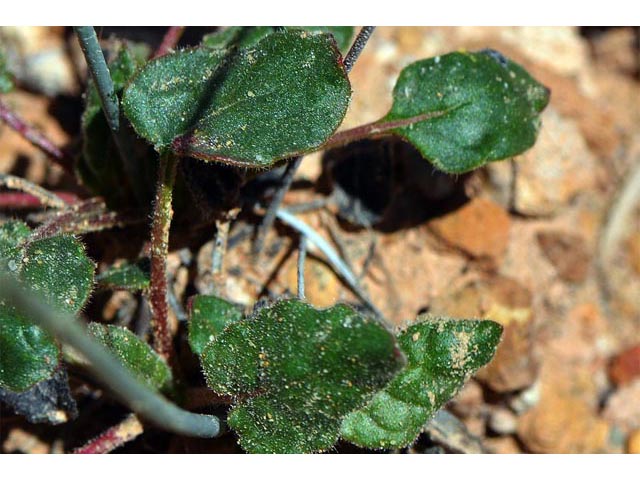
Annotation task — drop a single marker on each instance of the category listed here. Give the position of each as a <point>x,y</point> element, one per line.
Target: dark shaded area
<point>49,401</point>
<point>387,185</point>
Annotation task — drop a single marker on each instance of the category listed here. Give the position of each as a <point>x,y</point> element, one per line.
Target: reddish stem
<point>19,200</point>
<point>36,137</point>
<point>162,215</point>
<point>169,41</point>
<point>376,128</point>
<point>114,437</point>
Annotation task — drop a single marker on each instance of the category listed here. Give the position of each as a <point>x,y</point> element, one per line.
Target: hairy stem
<point>145,402</point>
<point>44,196</point>
<point>36,137</point>
<point>356,48</point>
<point>162,214</point>
<point>169,41</point>
<point>287,178</point>
<point>113,438</point>
<point>100,74</point>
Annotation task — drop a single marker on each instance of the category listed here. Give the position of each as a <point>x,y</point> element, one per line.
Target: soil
<point>527,242</point>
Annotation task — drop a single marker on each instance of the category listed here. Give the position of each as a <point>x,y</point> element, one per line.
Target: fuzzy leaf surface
<point>441,355</point>
<point>302,369</point>
<point>56,268</point>
<point>284,96</point>
<point>135,354</point>
<point>209,315</point>
<point>127,276</point>
<point>462,110</point>
<point>248,36</point>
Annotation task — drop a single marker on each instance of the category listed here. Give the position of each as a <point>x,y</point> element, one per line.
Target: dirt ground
<point>547,244</point>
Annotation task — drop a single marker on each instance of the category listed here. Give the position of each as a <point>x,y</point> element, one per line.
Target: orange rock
<point>567,252</point>
<point>633,442</point>
<point>322,287</point>
<point>480,229</point>
<point>626,366</point>
<point>561,423</point>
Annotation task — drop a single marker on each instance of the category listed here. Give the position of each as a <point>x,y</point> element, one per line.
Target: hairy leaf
<point>135,354</point>
<point>208,316</point>
<point>127,276</point>
<point>303,370</point>
<point>56,268</point>
<point>441,355</point>
<point>462,110</point>
<point>284,96</point>
<point>248,36</point>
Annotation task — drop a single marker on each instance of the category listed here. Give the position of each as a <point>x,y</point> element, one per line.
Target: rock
<point>558,167</point>
<point>507,302</point>
<point>507,445</point>
<point>567,252</point>
<point>614,50</point>
<point>633,442</point>
<point>633,252</point>
<point>480,229</point>
<point>625,367</point>
<point>561,423</point>
<point>623,407</point>
<point>503,421</point>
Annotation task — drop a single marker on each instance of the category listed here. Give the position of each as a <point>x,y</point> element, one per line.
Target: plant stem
<point>302,256</point>
<point>378,127</point>
<point>145,402</point>
<point>169,41</point>
<point>162,214</point>
<point>100,73</point>
<point>276,201</point>
<point>44,196</point>
<point>113,438</point>
<point>356,48</point>
<point>338,264</point>
<point>292,167</point>
<point>36,138</point>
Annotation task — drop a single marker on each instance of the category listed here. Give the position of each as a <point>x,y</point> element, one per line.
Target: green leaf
<point>282,97</point>
<point>6,80</point>
<point>135,354</point>
<point>300,370</point>
<point>441,355</point>
<point>127,276</point>
<point>56,268</point>
<point>248,36</point>
<point>100,167</point>
<point>12,234</point>
<point>28,355</point>
<point>208,316</point>
<point>462,110</point>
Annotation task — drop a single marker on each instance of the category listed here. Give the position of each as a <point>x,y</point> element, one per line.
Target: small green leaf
<point>303,369</point>
<point>101,167</point>
<point>12,234</point>
<point>28,355</point>
<point>6,80</point>
<point>208,316</point>
<point>127,276</point>
<point>284,96</point>
<point>462,110</point>
<point>248,36</point>
<point>441,355</point>
<point>56,268</point>
<point>135,354</point>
